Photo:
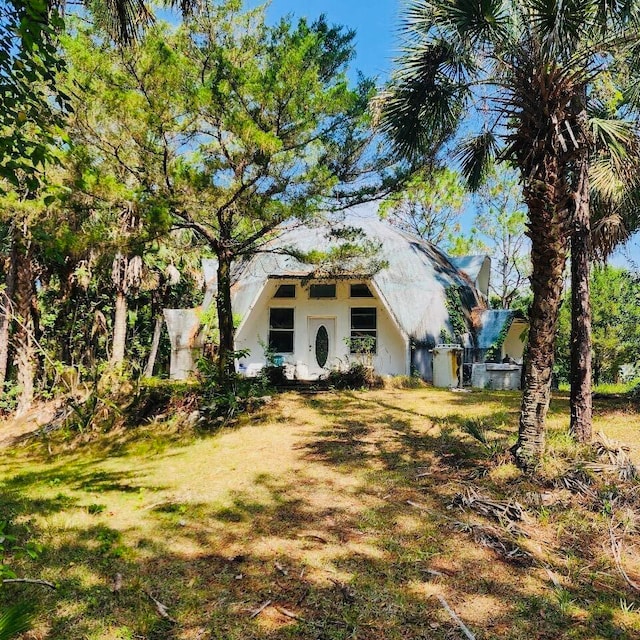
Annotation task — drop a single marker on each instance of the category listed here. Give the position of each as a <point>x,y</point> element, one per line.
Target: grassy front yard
<point>332,516</point>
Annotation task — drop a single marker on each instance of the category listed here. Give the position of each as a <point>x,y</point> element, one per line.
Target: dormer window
<point>360,290</point>
<point>322,291</point>
<point>285,291</point>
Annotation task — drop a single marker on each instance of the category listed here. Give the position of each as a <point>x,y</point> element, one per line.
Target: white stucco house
<point>313,320</point>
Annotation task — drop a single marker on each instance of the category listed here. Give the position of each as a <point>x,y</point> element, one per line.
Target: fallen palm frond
<point>616,550</point>
<point>500,510</point>
<point>454,616</point>
<point>616,459</point>
<point>576,482</point>
<point>494,539</point>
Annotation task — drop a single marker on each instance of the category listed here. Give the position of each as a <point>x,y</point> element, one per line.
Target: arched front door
<point>321,339</point>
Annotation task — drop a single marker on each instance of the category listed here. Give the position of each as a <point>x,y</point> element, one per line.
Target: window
<point>285,291</point>
<point>322,291</point>
<point>281,330</point>
<point>364,334</point>
<point>360,291</point>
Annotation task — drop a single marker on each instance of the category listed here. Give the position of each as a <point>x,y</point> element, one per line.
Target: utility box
<point>447,365</point>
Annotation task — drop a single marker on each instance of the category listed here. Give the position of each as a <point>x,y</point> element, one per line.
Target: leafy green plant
<point>223,402</point>
<point>9,392</point>
<point>15,620</point>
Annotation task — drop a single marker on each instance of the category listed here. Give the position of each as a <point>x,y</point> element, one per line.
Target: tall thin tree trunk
<point>155,343</point>
<point>6,308</point>
<point>581,400</point>
<point>225,364</point>
<point>119,328</point>
<point>24,339</point>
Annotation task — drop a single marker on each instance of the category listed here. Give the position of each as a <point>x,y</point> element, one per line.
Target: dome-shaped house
<point>319,297</point>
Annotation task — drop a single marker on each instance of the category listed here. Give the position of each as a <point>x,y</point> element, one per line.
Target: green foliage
<point>615,324</point>
<point>428,205</point>
<point>223,402</point>
<point>9,392</point>
<point>15,620</point>
<point>351,254</point>
<point>494,352</point>
<point>29,65</point>
<point>457,319</point>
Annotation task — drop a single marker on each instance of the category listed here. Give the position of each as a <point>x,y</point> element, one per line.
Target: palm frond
<point>15,620</point>
<point>608,233</point>
<point>124,20</point>
<point>477,20</point>
<point>422,106</point>
<point>186,7</point>
<point>606,179</point>
<point>477,156</point>
<point>617,136</point>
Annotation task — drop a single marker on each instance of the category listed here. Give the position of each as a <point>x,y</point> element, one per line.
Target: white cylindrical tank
<point>447,365</point>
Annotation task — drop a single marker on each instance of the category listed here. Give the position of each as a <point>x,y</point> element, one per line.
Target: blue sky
<point>375,22</point>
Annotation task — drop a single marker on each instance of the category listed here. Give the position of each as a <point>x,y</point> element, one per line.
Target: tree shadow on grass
<point>366,565</point>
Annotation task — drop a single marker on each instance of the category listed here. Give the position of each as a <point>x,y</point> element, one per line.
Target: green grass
<point>336,509</point>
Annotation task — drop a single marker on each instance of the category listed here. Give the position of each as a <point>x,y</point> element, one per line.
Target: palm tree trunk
<point>6,307</point>
<point>119,328</point>
<point>581,400</point>
<point>546,198</point>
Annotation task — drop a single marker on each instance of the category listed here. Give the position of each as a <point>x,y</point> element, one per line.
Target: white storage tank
<point>447,365</point>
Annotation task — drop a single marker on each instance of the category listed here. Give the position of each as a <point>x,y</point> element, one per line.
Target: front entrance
<point>321,338</point>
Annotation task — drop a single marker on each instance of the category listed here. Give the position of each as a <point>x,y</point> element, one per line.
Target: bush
<point>357,376</point>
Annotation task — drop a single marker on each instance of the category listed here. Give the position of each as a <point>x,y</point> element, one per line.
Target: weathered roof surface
<point>492,322</point>
<point>471,265</point>
<point>413,284</point>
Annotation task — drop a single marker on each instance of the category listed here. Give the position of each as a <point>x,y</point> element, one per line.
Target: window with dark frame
<point>281,330</point>
<point>360,290</point>
<point>285,291</point>
<point>364,330</point>
<point>322,291</point>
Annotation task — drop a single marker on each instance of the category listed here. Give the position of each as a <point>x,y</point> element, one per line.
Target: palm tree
<point>608,198</point>
<point>521,71</point>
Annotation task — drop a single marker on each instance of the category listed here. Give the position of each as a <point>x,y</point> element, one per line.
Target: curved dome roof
<point>413,281</point>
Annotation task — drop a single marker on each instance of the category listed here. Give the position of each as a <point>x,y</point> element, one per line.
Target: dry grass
<point>336,509</point>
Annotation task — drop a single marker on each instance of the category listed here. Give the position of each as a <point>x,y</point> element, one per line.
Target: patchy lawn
<point>332,516</point>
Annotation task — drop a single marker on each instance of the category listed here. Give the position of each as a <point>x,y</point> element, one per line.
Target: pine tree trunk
<point>6,309</point>
<point>155,343</point>
<point>24,339</point>
<point>581,400</point>
<point>119,329</point>
<point>225,364</point>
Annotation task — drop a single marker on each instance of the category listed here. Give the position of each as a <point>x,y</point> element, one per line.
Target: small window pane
<point>281,341</point>
<point>322,291</point>
<point>363,318</point>
<point>281,319</point>
<point>360,291</point>
<point>286,291</point>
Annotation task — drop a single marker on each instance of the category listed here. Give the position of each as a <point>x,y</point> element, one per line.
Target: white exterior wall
<point>391,357</point>
<point>514,344</point>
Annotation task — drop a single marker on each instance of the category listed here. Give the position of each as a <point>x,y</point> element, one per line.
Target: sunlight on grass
<point>335,509</point>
